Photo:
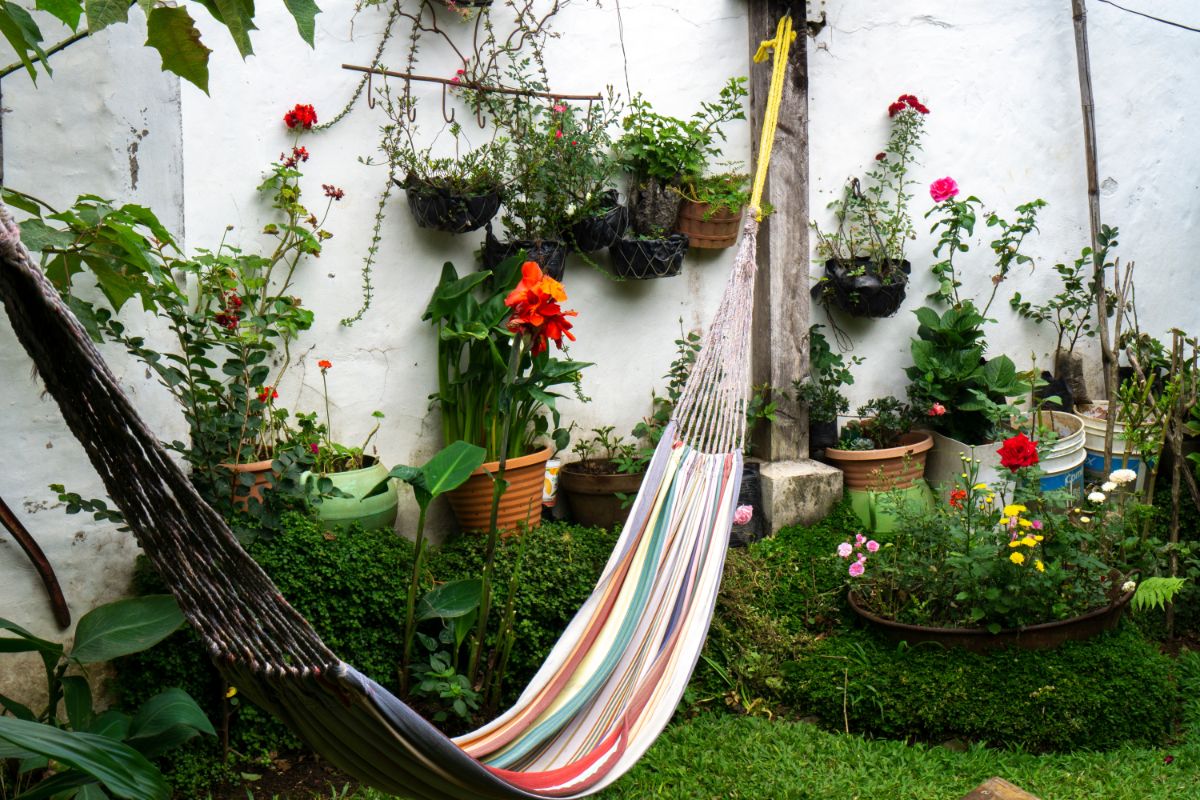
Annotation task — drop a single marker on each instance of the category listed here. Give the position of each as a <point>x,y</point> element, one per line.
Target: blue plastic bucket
<point>1064,464</point>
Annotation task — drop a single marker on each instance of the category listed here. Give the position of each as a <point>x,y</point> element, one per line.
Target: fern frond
<point>1156,592</point>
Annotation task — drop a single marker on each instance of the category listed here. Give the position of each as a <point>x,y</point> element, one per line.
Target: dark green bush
<point>352,587</point>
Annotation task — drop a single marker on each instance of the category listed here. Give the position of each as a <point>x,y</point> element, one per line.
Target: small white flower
<point>570,209</point>
<point>1128,586</point>
<point>1085,520</point>
<point>1123,476</point>
<point>1096,497</point>
<point>1108,486</point>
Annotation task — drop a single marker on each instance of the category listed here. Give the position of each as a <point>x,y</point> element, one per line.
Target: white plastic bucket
<point>1093,431</point>
<point>1063,464</point>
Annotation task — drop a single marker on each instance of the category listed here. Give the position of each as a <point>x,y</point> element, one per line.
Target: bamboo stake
<point>1087,100</point>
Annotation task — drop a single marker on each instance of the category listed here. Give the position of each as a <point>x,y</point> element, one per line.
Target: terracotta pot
<point>592,496</point>
<point>264,479</point>
<point>520,504</point>
<point>902,466</point>
<point>706,228</point>
<point>1032,637</point>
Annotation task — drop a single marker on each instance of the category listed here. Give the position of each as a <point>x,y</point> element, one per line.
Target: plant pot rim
<point>250,466</point>
<point>422,187</point>
<point>917,442</point>
<point>574,468</point>
<point>526,460</point>
<point>1089,622</point>
<point>374,463</point>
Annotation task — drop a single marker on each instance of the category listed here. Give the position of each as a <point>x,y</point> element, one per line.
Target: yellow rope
<point>781,44</point>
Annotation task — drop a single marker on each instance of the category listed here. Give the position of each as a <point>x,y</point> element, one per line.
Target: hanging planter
<point>654,206</point>
<point>708,227</point>
<point>521,503</point>
<point>602,230</point>
<point>441,209</point>
<point>643,259</point>
<point>549,254</point>
<point>860,290</point>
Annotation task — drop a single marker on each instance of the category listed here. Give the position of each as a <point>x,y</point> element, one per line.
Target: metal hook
<point>449,117</point>
<point>370,89</point>
<point>480,119</point>
<point>410,108</point>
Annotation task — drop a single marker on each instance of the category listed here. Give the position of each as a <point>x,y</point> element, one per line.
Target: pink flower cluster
<point>743,514</point>
<point>848,549</point>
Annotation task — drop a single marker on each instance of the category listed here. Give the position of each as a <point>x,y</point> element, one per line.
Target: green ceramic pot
<point>373,513</point>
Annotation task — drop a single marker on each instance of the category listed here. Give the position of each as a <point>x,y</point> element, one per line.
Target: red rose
<point>1018,452</point>
<point>880,156</point>
<point>300,116</point>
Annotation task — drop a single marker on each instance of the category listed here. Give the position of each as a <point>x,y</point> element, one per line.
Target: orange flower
<point>536,311</point>
<point>324,365</point>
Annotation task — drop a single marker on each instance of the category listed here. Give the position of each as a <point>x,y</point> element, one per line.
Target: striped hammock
<point>607,688</point>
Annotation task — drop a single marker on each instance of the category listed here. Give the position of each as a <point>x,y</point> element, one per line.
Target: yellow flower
<point>1085,520</point>
<point>1014,509</point>
<point>1017,558</point>
<point>980,487</point>
<point>989,499</point>
<point>232,691</point>
<point>1014,543</point>
<point>1025,523</point>
<point>1039,566</point>
<point>1038,537</point>
<point>963,475</point>
<point>1004,520</point>
<point>1029,541</point>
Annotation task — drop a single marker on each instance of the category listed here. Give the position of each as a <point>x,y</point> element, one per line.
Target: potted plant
<point>711,212</point>
<point>456,195</point>
<point>881,452</point>
<point>599,486</point>
<point>492,380</point>
<point>657,255</point>
<point>999,565</point>
<point>663,153</point>
<point>866,273</point>
<point>586,175</point>
<point>821,391</point>
<point>344,479</point>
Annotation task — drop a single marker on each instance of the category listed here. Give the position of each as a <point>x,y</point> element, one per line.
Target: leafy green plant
<point>1156,592</point>
<point>651,428</point>
<point>605,454</point>
<point>821,390</point>
<point>883,421</point>
<point>727,192</point>
<point>94,753</point>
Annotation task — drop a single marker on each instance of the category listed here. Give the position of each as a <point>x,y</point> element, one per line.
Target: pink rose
<point>743,514</point>
<point>560,108</point>
<point>859,539</point>
<point>856,569</point>
<point>872,546</point>
<point>936,410</point>
<point>943,189</point>
<point>844,550</point>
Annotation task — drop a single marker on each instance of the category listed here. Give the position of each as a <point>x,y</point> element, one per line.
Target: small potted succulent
<point>866,274</point>
<point>880,451</point>
<point>711,212</point>
<point>821,392</point>
<point>599,486</point>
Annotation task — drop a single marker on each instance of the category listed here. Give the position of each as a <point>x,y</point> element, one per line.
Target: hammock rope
<point>607,688</point>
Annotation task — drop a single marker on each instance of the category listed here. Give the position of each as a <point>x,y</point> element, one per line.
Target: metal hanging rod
<point>471,86</point>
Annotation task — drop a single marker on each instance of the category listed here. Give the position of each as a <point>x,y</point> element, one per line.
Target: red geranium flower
<point>316,448</point>
<point>880,156</point>
<point>269,393</point>
<point>957,497</point>
<point>535,308</point>
<point>333,191</point>
<point>1017,452</point>
<point>300,116</point>
<point>324,365</point>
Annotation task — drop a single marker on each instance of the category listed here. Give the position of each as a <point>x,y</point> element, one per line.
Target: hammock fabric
<point>610,684</point>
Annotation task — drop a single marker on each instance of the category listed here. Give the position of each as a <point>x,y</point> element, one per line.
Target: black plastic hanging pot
<point>822,435</point>
<point>750,494</point>
<point>643,259</point>
<point>440,209</point>
<point>858,289</point>
<point>600,231</point>
<point>549,254</point>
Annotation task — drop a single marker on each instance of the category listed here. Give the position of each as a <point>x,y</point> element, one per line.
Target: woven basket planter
<point>442,210</point>
<point>602,230</point>
<point>708,228</point>
<point>549,254</point>
<point>643,259</point>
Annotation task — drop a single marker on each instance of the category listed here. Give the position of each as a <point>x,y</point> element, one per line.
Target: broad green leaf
<point>122,769</point>
<point>305,13</point>
<point>172,32</point>
<point>112,723</point>
<point>238,17</point>
<point>13,20</point>
<point>37,236</point>
<point>102,13</point>
<point>51,652</point>
<point>18,710</point>
<point>166,721</point>
<point>450,468</point>
<point>68,11</point>
<point>77,697</point>
<point>21,201</point>
<point>58,785</point>
<point>124,627</point>
<point>451,600</point>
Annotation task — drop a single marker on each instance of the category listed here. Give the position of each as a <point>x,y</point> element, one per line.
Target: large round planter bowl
<point>442,210</point>
<point>898,467</point>
<point>859,290</point>
<point>262,478</point>
<point>373,513</point>
<point>706,227</point>
<point>520,505</point>
<point>600,231</point>
<point>1033,637</point>
<point>549,254</point>
<point>645,259</point>
<point>592,497</point>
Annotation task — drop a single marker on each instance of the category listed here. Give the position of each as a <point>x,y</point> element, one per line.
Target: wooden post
<point>781,311</point>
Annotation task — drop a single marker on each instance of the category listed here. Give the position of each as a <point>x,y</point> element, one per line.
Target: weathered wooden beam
<point>998,789</point>
<point>781,312</point>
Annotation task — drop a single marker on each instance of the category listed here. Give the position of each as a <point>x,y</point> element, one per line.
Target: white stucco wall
<point>1002,86</point>
<point>999,78</point>
<point>106,123</point>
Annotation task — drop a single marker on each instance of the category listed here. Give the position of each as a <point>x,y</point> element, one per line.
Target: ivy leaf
<point>102,13</point>
<point>172,32</point>
<point>305,12</point>
<point>68,11</point>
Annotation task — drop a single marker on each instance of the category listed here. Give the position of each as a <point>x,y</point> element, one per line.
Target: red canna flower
<point>1017,452</point>
<point>535,308</point>
<point>300,116</point>
<point>324,364</point>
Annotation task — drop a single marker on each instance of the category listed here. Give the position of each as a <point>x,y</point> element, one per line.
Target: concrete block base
<point>799,492</point>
